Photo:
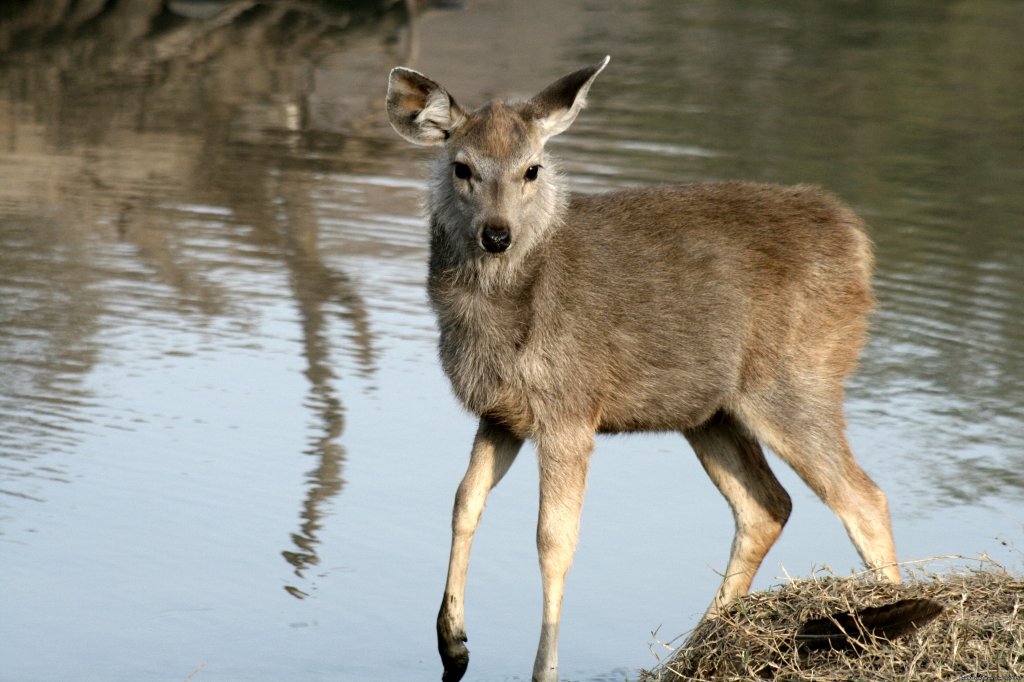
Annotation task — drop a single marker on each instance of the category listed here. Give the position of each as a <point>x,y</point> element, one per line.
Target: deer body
<point>730,312</point>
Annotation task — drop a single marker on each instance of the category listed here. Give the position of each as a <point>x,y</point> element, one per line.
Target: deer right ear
<point>419,109</point>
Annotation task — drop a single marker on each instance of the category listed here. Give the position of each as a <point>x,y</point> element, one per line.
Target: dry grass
<point>979,635</point>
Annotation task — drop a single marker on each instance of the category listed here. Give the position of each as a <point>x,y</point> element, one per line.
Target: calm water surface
<point>226,448</point>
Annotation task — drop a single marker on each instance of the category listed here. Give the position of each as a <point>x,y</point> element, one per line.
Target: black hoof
<point>455,658</point>
<point>454,654</point>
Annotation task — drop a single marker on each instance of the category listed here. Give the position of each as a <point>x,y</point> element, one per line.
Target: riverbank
<point>978,635</point>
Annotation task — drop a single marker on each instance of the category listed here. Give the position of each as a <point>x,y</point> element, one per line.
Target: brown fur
<point>729,312</point>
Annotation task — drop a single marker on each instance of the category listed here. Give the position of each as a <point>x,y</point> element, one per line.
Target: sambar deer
<point>730,312</point>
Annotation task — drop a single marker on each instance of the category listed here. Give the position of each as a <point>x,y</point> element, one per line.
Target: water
<point>226,449</point>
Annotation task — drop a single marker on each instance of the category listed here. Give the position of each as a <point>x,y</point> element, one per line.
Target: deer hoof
<point>455,657</point>
<point>454,653</point>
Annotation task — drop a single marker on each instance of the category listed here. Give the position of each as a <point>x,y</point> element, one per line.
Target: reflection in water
<point>48,322</point>
<point>131,129</point>
<point>314,287</point>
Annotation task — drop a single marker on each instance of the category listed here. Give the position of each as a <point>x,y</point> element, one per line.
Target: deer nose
<point>496,237</point>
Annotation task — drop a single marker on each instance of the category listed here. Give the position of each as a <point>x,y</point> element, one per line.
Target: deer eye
<point>531,173</point>
<point>462,171</point>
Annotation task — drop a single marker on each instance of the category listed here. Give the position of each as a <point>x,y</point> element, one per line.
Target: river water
<point>226,449</point>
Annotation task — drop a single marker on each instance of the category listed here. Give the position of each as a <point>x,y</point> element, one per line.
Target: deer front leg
<point>494,450</point>
<point>564,460</point>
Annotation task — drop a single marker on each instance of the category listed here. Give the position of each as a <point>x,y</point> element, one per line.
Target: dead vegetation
<point>978,636</point>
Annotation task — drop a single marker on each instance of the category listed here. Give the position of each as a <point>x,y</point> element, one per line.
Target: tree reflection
<point>126,107</point>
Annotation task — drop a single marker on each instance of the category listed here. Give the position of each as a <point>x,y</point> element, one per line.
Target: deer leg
<point>760,506</point>
<point>564,460</point>
<point>812,441</point>
<point>858,502</point>
<point>494,450</point>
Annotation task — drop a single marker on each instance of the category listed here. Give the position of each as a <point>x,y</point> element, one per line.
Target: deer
<point>730,312</point>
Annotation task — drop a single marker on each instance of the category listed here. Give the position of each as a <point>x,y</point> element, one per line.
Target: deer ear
<point>556,106</point>
<point>419,109</point>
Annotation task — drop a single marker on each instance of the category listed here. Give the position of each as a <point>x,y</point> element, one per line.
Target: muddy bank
<point>979,633</point>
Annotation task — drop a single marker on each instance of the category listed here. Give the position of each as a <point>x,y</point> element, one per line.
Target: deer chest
<point>482,353</point>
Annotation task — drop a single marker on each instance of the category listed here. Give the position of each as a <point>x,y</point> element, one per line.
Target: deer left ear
<point>419,109</point>
<point>556,106</point>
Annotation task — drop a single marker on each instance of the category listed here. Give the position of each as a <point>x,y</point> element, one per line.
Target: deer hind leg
<point>760,505</point>
<point>808,434</point>
<point>564,460</point>
<point>494,450</point>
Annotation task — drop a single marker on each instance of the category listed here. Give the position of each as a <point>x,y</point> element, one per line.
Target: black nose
<point>496,237</point>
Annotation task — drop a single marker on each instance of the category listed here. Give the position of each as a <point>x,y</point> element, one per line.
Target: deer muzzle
<point>496,237</point>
